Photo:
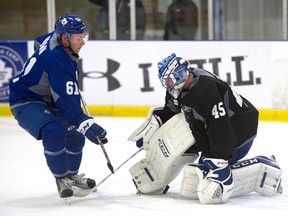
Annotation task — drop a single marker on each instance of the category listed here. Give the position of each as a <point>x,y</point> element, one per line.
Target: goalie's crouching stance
<point>202,114</point>
<point>211,180</point>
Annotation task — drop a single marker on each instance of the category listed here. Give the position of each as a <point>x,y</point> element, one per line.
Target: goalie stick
<point>101,182</point>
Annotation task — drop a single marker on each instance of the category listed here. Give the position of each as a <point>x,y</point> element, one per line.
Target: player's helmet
<point>173,73</point>
<point>70,24</point>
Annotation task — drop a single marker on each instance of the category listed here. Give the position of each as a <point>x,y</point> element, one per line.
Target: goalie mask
<point>173,73</point>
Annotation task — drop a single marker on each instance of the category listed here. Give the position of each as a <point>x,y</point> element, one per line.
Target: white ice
<point>27,187</point>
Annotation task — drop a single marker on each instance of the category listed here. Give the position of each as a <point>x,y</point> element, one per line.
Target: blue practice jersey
<point>39,40</point>
<point>50,76</point>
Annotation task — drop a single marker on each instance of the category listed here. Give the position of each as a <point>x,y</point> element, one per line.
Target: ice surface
<point>27,187</point>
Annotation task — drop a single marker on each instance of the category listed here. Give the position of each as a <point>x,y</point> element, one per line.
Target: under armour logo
<point>112,67</point>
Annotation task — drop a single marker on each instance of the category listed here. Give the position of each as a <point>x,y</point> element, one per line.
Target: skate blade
<point>68,200</point>
<point>80,192</point>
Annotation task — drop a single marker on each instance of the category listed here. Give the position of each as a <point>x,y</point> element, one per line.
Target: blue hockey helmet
<point>70,24</point>
<point>173,73</point>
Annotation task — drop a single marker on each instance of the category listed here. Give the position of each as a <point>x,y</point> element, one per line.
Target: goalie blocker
<point>165,156</point>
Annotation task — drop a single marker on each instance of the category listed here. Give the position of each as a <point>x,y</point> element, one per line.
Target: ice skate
<point>82,186</point>
<point>82,182</point>
<point>64,187</point>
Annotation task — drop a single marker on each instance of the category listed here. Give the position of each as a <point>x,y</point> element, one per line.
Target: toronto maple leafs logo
<point>5,72</point>
<point>64,21</point>
<point>11,63</point>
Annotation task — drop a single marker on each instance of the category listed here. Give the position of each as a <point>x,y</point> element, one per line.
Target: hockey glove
<point>93,131</point>
<point>144,133</point>
<point>217,185</point>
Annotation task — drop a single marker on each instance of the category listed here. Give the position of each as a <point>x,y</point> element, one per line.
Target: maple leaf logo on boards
<point>5,73</point>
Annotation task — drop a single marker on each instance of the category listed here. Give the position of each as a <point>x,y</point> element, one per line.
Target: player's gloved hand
<point>93,131</point>
<point>217,185</point>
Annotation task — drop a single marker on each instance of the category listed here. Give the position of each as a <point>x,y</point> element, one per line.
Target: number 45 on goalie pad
<point>259,174</point>
<point>165,156</point>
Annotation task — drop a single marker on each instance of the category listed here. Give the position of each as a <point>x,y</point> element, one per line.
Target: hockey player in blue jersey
<point>45,100</point>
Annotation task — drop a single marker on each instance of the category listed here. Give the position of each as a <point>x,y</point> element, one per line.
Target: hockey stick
<point>100,140</point>
<point>101,182</point>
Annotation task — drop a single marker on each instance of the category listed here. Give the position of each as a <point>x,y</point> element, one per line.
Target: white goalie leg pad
<point>144,177</point>
<point>259,174</point>
<point>245,177</point>
<point>190,181</point>
<point>194,185</point>
<point>147,180</point>
<point>165,156</point>
<point>269,177</point>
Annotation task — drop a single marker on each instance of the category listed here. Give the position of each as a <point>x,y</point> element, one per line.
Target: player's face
<point>169,82</point>
<point>77,41</point>
<point>175,78</point>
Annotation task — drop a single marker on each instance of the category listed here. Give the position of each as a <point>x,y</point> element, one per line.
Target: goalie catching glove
<point>93,131</point>
<point>143,134</point>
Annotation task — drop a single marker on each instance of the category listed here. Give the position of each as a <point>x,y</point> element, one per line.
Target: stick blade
<point>110,167</point>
